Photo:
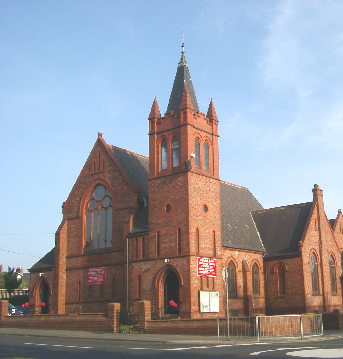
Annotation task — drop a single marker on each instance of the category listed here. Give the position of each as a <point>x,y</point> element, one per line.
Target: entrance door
<point>44,298</point>
<point>171,294</point>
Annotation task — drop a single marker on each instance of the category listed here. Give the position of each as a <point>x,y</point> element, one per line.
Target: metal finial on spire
<point>183,61</point>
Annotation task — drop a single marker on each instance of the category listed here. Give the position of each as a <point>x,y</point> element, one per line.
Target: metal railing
<point>271,327</point>
<point>4,294</point>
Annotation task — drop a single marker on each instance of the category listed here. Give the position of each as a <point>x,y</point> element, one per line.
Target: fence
<point>272,327</point>
<point>4,294</point>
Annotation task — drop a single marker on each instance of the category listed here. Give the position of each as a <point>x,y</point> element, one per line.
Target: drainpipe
<point>266,286</point>
<point>127,279</point>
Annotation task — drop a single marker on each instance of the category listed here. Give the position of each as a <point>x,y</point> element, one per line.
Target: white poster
<point>209,302</point>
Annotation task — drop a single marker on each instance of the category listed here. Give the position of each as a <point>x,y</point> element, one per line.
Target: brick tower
<point>184,196</point>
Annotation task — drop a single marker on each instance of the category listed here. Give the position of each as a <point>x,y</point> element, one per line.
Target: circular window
<point>205,208</point>
<point>168,208</point>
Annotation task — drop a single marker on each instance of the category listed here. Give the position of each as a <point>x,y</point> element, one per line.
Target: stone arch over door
<point>169,283</point>
<point>42,294</point>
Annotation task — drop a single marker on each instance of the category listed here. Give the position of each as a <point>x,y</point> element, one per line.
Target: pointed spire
<point>181,81</point>
<point>186,101</point>
<point>211,113</point>
<point>155,110</point>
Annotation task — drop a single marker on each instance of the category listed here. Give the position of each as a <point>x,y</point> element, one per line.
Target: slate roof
<point>48,261</point>
<point>238,228</point>
<point>332,222</point>
<point>181,81</point>
<point>135,166</point>
<point>141,222</point>
<point>282,228</point>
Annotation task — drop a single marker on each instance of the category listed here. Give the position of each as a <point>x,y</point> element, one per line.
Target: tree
<point>11,280</point>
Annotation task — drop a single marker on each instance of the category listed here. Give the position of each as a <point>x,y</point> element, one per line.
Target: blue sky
<point>71,69</point>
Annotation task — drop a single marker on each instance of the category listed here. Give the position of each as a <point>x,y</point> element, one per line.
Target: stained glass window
<point>255,280</point>
<point>314,272</point>
<point>281,280</point>
<point>232,287</point>
<point>197,153</point>
<point>176,155</point>
<point>206,157</point>
<point>99,218</point>
<point>333,275</point>
<point>164,155</point>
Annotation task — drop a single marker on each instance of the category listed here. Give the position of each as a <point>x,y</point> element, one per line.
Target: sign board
<point>206,267</point>
<point>96,275</point>
<point>209,302</point>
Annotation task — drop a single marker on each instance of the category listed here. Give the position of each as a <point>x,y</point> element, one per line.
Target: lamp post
<point>226,280</point>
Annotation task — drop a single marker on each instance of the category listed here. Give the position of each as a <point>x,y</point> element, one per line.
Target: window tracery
<point>99,218</point>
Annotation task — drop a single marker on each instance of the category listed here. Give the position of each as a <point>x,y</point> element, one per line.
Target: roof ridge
<point>123,149</point>
<point>282,207</point>
<point>232,184</point>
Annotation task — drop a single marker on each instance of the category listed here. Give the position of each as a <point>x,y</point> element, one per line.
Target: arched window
<point>164,155</point>
<point>197,240</point>
<point>206,157</point>
<point>255,280</point>
<point>314,273</point>
<point>197,153</point>
<point>158,244</point>
<point>176,152</point>
<point>281,279</point>
<point>232,287</point>
<point>333,275</point>
<point>179,241</point>
<point>99,218</point>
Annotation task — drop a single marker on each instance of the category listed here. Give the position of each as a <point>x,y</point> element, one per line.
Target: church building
<point>166,229</point>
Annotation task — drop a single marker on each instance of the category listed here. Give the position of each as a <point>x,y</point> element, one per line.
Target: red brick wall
<point>246,303</point>
<point>319,238</point>
<point>293,302</point>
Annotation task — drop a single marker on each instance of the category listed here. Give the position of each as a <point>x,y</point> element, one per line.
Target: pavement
<point>157,338</point>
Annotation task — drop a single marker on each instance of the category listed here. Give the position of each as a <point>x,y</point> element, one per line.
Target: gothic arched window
<point>206,157</point>
<point>281,280</point>
<point>333,275</point>
<point>255,280</point>
<point>176,152</point>
<point>314,273</point>
<point>99,218</point>
<point>232,287</point>
<point>164,155</point>
<point>197,153</point>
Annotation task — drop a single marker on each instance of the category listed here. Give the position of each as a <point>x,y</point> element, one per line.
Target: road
<point>18,346</point>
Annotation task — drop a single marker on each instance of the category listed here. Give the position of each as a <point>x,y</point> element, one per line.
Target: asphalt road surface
<point>13,346</point>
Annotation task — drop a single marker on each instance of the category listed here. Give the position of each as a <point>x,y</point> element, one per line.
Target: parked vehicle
<point>23,310</point>
<point>11,309</point>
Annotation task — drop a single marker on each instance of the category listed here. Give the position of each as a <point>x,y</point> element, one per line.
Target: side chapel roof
<point>238,228</point>
<point>47,262</point>
<point>181,82</point>
<point>282,228</point>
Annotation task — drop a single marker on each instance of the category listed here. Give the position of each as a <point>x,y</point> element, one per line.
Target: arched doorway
<point>171,293</point>
<point>44,297</point>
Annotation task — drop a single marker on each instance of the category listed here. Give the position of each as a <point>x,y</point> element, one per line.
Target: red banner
<point>206,267</point>
<point>96,275</point>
